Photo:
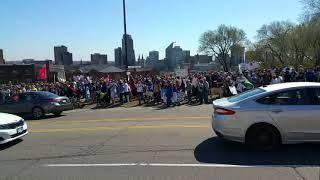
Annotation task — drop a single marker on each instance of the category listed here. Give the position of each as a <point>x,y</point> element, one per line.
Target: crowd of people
<point>197,87</point>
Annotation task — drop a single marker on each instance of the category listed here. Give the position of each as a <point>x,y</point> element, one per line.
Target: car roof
<point>38,92</point>
<point>276,87</point>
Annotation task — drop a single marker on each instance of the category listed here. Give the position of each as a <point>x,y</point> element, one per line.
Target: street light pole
<point>125,35</point>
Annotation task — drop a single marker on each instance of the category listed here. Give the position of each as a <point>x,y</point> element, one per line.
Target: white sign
<point>248,66</point>
<point>134,67</point>
<point>233,90</point>
<point>61,77</point>
<point>181,72</point>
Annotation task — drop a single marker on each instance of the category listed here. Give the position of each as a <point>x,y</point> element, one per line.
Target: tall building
<point>99,58</point>
<point>153,59</point>
<point>1,57</point>
<point>154,56</point>
<point>175,56</point>
<point>131,56</point>
<point>185,56</point>
<point>169,57</point>
<point>118,57</point>
<point>237,55</point>
<point>62,56</point>
<point>200,59</point>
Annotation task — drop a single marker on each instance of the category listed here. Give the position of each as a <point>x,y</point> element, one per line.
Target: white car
<point>269,116</point>
<point>12,127</point>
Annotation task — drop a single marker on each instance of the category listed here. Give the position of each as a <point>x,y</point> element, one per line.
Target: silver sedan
<point>35,103</point>
<point>268,116</point>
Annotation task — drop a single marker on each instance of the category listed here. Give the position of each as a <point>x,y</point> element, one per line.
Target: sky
<point>31,28</point>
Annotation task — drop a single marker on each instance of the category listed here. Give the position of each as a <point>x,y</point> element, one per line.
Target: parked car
<point>12,127</point>
<point>35,103</point>
<point>268,116</point>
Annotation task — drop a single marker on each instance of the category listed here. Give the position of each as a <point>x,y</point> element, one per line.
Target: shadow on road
<point>106,107</point>
<point>218,151</point>
<point>10,144</point>
<point>51,116</point>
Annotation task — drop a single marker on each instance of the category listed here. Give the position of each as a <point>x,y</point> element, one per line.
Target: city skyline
<point>91,30</point>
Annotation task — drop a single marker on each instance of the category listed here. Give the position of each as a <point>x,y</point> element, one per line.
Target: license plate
<point>19,130</point>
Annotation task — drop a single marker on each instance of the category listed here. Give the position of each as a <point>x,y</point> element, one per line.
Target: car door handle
<point>276,111</point>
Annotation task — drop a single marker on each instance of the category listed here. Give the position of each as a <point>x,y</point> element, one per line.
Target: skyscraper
<point>186,55</point>
<point>176,56</point>
<point>154,56</point>
<point>169,60</point>
<point>118,57</point>
<point>62,56</point>
<point>99,58</point>
<point>1,57</point>
<point>131,56</point>
<point>153,59</point>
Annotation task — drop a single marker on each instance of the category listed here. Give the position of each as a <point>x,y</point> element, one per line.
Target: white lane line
<point>190,165</point>
<point>179,165</point>
<point>90,165</point>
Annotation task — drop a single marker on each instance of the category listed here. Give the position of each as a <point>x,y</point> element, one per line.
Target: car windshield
<point>47,95</point>
<point>245,95</point>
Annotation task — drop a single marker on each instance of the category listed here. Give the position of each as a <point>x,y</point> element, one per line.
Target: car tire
<point>263,137</point>
<point>37,113</point>
<point>57,113</point>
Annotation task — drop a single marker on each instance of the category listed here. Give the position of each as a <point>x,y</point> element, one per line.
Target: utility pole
<point>125,35</point>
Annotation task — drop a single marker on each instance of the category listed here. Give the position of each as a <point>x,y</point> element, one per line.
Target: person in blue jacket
<point>169,93</point>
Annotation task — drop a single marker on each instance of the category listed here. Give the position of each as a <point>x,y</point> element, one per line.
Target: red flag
<point>42,73</point>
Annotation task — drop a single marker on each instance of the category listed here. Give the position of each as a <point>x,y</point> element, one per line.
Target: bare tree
<point>220,41</point>
<point>312,10</point>
<point>274,38</point>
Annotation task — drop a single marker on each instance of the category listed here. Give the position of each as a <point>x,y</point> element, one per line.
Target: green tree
<point>220,41</point>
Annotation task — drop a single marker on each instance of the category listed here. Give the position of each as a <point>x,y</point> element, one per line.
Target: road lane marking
<point>167,126</point>
<point>116,128</point>
<point>74,129</point>
<point>120,120</point>
<point>90,165</point>
<point>179,165</point>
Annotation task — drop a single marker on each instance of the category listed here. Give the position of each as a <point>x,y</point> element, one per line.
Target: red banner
<point>42,72</point>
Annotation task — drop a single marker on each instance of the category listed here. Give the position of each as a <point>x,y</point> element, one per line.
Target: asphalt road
<point>145,143</point>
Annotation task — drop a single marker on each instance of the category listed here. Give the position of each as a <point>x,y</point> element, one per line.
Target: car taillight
<point>55,101</point>
<point>224,111</point>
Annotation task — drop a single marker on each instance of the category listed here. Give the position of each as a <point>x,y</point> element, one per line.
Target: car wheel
<point>263,138</point>
<point>37,113</point>
<point>57,113</point>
